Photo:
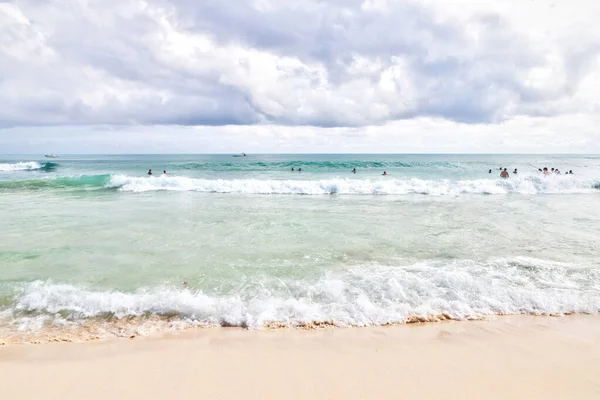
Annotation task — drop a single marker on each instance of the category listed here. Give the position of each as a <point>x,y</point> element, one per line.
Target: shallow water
<point>93,238</point>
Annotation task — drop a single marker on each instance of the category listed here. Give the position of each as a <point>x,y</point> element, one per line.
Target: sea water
<point>89,241</point>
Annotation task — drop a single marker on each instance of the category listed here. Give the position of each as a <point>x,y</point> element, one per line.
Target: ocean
<point>91,246</point>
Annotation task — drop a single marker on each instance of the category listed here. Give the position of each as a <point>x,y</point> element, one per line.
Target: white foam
<point>362,296</point>
<point>524,185</point>
<point>21,166</point>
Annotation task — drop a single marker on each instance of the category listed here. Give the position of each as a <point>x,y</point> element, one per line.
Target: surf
<point>27,166</point>
<point>525,185</point>
<point>21,166</point>
<point>364,295</point>
<point>345,186</point>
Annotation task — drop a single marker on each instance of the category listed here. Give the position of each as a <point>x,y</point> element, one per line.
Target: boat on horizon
<point>53,155</point>
<point>240,155</point>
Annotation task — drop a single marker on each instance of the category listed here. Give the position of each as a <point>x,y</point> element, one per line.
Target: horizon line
<point>288,154</point>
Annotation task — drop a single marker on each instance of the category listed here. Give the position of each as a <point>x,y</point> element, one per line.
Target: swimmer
<point>164,172</point>
<point>570,172</point>
<point>490,171</point>
<point>546,172</point>
<point>292,169</point>
<point>540,170</point>
<point>149,172</point>
<point>384,173</point>
<point>185,284</point>
<point>299,169</point>
<point>354,171</point>
<point>504,173</point>
<point>515,171</point>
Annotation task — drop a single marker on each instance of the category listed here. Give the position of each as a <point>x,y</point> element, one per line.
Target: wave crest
<point>524,185</point>
<point>362,296</point>
<point>384,186</point>
<point>21,166</point>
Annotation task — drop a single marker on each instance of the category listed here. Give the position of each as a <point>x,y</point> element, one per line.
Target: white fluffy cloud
<point>311,75</point>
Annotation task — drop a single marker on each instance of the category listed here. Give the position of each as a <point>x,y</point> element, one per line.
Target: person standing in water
<point>384,173</point>
<point>515,172</point>
<point>354,171</point>
<point>504,173</point>
<point>149,172</point>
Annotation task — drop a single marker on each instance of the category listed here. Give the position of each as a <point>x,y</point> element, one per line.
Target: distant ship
<point>240,155</point>
<point>53,155</point>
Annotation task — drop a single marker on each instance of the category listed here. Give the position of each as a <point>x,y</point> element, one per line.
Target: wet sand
<point>507,358</point>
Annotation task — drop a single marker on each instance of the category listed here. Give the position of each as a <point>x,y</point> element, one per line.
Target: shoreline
<point>529,357</point>
<point>157,326</point>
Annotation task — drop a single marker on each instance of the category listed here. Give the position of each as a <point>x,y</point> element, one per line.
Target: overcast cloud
<point>299,76</point>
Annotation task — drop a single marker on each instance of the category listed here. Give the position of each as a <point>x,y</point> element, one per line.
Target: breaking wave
<point>524,185</point>
<point>342,186</point>
<point>361,296</point>
<point>25,166</point>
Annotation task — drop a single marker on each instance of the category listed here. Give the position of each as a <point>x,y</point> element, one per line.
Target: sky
<point>299,76</point>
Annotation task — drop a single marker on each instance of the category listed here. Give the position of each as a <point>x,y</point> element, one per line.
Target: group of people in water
<point>545,171</point>
<point>503,171</point>
<point>293,169</point>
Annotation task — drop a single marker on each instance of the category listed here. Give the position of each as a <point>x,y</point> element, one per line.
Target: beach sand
<point>507,358</point>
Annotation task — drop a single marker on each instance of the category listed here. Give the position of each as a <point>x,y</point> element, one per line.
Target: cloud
<point>340,63</point>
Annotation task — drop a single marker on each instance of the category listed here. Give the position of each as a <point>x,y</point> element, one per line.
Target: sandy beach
<point>510,357</point>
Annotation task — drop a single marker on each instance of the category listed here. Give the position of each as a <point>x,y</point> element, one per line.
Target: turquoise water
<point>94,238</point>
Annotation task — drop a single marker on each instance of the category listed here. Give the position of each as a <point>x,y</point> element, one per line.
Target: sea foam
<point>524,185</point>
<point>21,166</point>
<point>361,296</point>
